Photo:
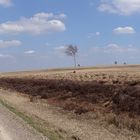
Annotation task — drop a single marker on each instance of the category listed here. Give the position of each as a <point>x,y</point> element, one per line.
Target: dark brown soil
<point>81,96</point>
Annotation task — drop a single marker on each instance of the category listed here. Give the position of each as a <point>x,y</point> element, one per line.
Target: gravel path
<point>14,128</point>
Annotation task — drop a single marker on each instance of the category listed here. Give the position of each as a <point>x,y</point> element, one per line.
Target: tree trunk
<point>74,61</point>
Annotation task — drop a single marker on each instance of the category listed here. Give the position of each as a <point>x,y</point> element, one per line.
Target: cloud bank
<point>124,30</point>
<point>121,7</point>
<point>11,43</point>
<point>40,23</point>
<point>6,3</point>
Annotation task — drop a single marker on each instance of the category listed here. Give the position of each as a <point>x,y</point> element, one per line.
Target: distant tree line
<point>72,50</point>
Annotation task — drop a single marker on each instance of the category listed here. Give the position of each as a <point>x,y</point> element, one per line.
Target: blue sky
<point>33,33</point>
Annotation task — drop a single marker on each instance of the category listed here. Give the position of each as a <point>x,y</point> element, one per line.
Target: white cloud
<point>6,3</point>
<point>121,7</point>
<point>60,48</point>
<point>5,56</point>
<point>97,33</point>
<point>11,43</point>
<point>38,24</point>
<point>90,35</point>
<point>124,30</point>
<point>29,52</point>
<point>62,16</point>
<point>59,51</point>
<point>113,48</point>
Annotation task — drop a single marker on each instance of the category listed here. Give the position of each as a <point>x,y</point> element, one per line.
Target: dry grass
<point>123,121</point>
<point>115,93</point>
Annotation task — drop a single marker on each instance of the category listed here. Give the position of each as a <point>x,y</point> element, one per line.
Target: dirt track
<point>14,128</point>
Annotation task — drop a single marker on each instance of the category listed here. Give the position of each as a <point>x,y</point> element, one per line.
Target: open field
<point>118,89</point>
<point>112,92</point>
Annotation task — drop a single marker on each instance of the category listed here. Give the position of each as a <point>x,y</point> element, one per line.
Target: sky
<point>34,33</point>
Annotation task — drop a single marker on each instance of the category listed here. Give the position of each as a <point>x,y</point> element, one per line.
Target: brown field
<point>106,90</point>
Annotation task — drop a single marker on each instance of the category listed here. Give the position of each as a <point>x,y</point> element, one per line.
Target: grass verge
<point>34,122</point>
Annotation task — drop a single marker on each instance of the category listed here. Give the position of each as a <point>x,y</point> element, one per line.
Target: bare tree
<point>71,51</point>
